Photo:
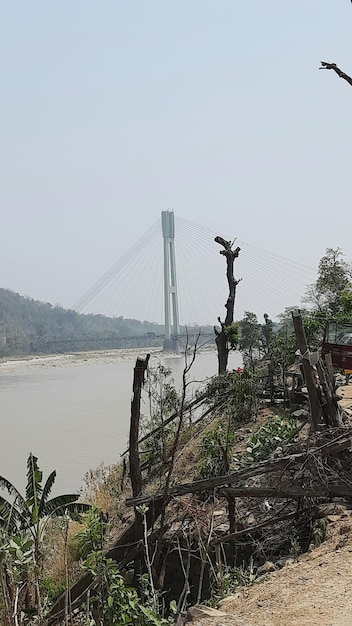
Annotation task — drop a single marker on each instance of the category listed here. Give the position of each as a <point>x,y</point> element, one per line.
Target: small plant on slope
<point>277,432</point>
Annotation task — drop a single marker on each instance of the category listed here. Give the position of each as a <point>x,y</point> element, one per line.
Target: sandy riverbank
<point>85,358</point>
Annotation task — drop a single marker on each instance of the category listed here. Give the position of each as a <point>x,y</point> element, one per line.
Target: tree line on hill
<point>31,327</point>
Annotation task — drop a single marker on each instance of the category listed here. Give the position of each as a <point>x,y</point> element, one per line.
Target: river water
<point>73,411</point>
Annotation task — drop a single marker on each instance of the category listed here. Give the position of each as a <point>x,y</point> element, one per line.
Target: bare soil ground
<point>314,590</point>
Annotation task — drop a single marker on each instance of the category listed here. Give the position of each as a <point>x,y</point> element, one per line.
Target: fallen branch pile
<point>320,468</point>
<point>321,471</point>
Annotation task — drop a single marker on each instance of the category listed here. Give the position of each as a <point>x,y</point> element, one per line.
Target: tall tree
<point>222,336</point>
<point>250,338</point>
<point>333,283</point>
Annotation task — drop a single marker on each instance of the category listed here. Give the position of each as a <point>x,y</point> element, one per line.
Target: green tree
<point>333,282</point>
<point>233,334</point>
<point>249,338</point>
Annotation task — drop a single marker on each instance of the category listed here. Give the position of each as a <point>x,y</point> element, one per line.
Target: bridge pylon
<point>172,330</point>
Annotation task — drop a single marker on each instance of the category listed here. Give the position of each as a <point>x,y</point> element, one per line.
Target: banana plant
<point>30,513</point>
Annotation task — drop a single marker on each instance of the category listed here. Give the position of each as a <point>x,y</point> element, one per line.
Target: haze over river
<point>73,411</point>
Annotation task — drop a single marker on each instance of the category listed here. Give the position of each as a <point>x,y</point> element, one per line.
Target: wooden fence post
<point>308,370</point>
<point>332,407</point>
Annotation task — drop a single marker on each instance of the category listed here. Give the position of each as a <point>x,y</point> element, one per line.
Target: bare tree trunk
<point>135,464</point>
<point>220,336</point>
<point>138,381</point>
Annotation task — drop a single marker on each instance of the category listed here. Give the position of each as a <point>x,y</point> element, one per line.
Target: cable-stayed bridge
<point>134,287</point>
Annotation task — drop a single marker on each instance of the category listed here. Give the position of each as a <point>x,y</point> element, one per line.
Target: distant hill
<point>31,327</point>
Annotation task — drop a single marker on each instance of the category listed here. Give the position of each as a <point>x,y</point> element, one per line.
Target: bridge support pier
<point>171,342</point>
<point>171,345</point>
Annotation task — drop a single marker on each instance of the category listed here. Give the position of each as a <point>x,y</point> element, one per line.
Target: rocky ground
<point>316,589</point>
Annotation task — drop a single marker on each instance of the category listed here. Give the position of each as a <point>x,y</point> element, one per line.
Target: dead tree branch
<point>340,73</point>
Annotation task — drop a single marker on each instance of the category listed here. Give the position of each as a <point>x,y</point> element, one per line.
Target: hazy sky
<point>114,110</point>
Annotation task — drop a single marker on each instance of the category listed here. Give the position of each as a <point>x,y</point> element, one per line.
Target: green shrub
<point>234,395</point>
<point>52,588</point>
<point>114,602</point>
<point>276,433</point>
<point>216,453</point>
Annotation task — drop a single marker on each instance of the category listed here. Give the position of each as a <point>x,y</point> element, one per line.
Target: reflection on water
<point>74,417</point>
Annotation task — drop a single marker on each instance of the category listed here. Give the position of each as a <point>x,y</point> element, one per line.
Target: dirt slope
<point>316,590</point>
